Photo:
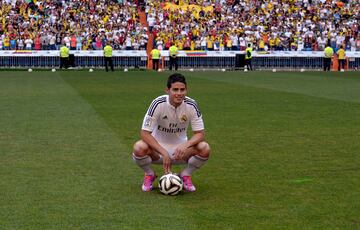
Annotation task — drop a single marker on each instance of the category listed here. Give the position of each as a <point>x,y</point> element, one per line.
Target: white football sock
<point>194,162</point>
<point>144,163</point>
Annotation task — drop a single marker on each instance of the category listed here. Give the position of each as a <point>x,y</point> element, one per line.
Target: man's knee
<point>204,149</point>
<point>141,148</point>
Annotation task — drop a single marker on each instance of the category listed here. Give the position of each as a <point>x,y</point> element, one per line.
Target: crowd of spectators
<point>267,24</point>
<point>212,25</point>
<point>79,24</point>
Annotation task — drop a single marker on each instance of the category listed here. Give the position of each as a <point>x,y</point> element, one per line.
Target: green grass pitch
<point>285,151</point>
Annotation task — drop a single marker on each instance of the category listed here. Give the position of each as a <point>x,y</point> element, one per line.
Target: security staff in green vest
<point>248,57</point>
<point>64,57</point>
<point>155,56</point>
<point>341,58</point>
<point>173,52</point>
<point>108,56</point>
<point>328,53</point>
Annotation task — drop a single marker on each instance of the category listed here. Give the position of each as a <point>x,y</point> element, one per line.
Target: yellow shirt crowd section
<point>253,19</point>
<point>92,19</point>
<point>207,19</point>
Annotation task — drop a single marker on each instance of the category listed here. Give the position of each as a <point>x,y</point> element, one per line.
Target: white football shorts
<point>170,149</point>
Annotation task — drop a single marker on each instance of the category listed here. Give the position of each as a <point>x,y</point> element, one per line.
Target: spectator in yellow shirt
<point>6,42</point>
<point>209,43</point>
<point>228,44</point>
<point>272,43</point>
<point>261,45</point>
<point>277,43</point>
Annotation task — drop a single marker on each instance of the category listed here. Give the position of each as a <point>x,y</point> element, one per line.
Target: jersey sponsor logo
<point>193,103</point>
<point>171,129</point>
<point>154,104</point>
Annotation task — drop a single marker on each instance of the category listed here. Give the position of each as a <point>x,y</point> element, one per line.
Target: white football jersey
<point>169,124</point>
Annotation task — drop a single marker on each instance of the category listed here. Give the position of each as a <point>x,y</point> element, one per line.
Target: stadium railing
<point>85,59</point>
<point>186,59</point>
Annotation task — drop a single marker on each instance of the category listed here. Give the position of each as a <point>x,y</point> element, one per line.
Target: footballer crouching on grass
<point>164,135</point>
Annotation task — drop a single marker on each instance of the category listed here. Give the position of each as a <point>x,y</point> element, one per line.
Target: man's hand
<point>180,151</point>
<point>150,140</point>
<point>166,164</point>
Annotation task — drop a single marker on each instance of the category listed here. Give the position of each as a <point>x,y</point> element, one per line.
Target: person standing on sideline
<point>173,52</point>
<point>155,57</point>
<point>248,57</point>
<point>328,53</point>
<point>108,56</point>
<point>64,56</point>
<point>341,58</point>
<point>164,135</point>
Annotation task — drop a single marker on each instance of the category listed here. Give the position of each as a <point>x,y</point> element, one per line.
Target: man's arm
<point>198,136</point>
<point>154,144</point>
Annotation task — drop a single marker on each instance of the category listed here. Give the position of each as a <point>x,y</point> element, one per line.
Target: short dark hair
<point>176,77</point>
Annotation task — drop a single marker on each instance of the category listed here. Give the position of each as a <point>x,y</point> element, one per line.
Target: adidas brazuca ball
<point>170,184</point>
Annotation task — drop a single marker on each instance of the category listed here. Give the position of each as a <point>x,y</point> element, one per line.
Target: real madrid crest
<point>183,118</point>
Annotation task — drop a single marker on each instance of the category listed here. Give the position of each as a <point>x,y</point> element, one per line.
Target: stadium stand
<point>287,34</point>
<point>80,24</point>
<point>193,25</point>
<point>269,25</point>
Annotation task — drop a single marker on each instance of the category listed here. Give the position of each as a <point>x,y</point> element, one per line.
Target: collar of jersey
<point>168,102</point>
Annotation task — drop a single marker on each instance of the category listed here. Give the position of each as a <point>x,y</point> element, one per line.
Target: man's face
<point>177,93</point>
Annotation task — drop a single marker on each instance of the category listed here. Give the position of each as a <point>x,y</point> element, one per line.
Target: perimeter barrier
<point>85,59</point>
<point>186,59</point>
